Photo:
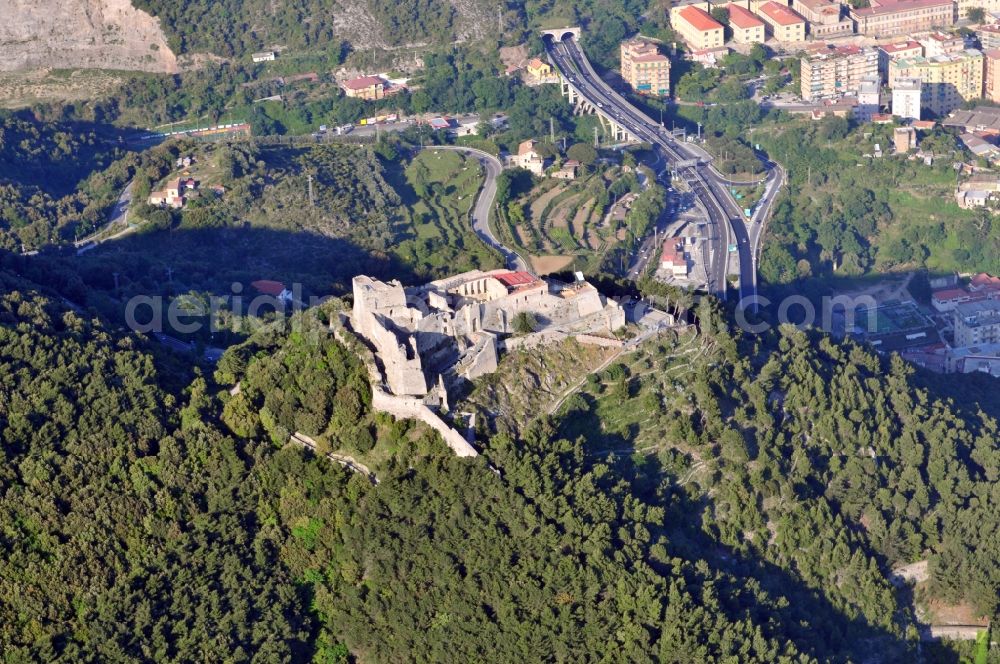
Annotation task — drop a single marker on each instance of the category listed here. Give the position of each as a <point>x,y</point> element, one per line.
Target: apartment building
<point>991,74</point>
<point>906,98</point>
<point>897,51</point>
<point>977,323</point>
<point>989,36</point>
<point>962,8</point>
<point>697,27</point>
<point>938,43</point>
<point>746,27</point>
<point>824,17</point>
<point>644,68</point>
<point>837,71</point>
<point>869,99</point>
<point>783,23</point>
<point>946,80</point>
<point>895,17</point>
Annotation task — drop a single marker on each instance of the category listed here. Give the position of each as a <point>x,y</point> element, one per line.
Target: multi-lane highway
<point>725,215</point>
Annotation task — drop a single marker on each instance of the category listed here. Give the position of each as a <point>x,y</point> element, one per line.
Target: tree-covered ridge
<point>57,180</point>
<point>237,27</point>
<point>126,534</point>
<point>914,474</point>
<point>818,469</point>
<point>135,529</point>
<point>234,28</point>
<point>389,211</point>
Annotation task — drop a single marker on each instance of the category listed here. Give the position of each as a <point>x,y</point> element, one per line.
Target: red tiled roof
<point>362,82</point>
<point>847,50</point>
<point>699,18</point>
<point>780,14</point>
<point>983,280</point>
<point>923,124</point>
<point>652,57</point>
<point>268,287</point>
<point>516,279</point>
<point>947,294</point>
<point>743,18</point>
<point>900,46</point>
<point>673,251</point>
<point>526,147</point>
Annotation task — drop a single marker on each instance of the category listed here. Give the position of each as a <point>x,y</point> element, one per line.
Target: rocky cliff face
<point>107,34</point>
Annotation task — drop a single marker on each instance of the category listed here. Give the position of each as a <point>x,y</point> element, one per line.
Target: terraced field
<point>561,224</point>
<point>445,184</point>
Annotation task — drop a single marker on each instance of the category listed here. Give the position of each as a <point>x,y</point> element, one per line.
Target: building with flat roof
<point>991,74</point>
<point>365,87</point>
<point>869,99</point>
<point>697,28</point>
<point>984,358</point>
<point>947,81</point>
<point>837,71</point>
<point>962,8</point>
<point>644,68</point>
<point>263,56</point>
<point>938,43</point>
<point>977,323</point>
<point>904,139</point>
<point>746,27</point>
<point>783,23</point>
<point>897,51</point>
<point>825,17</point>
<point>906,98</point>
<point>989,36</point>
<point>884,18</point>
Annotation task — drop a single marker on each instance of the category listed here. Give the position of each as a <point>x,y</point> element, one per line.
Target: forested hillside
<point>236,27</point>
<point>762,527</point>
<point>137,528</point>
<point>57,180</point>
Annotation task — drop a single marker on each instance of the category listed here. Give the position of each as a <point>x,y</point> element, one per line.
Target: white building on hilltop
<point>906,98</point>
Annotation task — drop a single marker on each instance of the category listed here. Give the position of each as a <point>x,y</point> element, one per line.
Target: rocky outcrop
<point>93,34</point>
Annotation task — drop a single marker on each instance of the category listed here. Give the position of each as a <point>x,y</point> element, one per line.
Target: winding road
<point>731,233</point>
<point>484,203</point>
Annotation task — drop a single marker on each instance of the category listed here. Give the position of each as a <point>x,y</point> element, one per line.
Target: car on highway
<point>600,105</point>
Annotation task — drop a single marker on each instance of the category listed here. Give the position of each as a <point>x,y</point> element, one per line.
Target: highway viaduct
<point>588,93</point>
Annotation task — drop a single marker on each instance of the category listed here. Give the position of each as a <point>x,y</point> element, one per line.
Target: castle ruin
<point>426,336</point>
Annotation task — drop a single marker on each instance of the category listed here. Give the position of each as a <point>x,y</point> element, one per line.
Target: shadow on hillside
<point>209,262</point>
<point>808,619</point>
<point>64,154</point>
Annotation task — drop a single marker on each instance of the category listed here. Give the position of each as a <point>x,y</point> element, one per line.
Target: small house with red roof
<point>271,288</point>
<point>368,88</point>
<point>673,259</point>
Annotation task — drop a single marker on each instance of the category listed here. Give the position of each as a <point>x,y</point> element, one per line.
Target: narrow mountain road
<point>484,203</point>
<point>118,214</point>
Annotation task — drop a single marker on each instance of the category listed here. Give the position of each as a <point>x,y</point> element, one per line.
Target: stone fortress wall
<point>451,329</point>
